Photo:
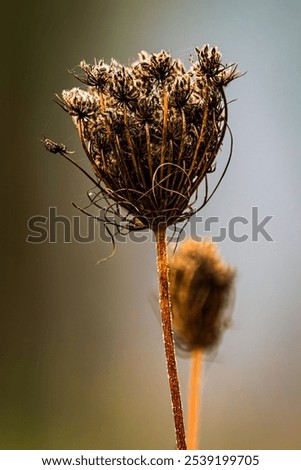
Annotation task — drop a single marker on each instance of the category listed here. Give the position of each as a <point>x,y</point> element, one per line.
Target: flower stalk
<point>194,403</point>
<point>166,317</point>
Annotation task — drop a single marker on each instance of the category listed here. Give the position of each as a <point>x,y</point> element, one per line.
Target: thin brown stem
<point>168,338</point>
<point>194,403</point>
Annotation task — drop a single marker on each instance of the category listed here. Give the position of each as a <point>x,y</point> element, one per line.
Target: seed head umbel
<point>151,131</point>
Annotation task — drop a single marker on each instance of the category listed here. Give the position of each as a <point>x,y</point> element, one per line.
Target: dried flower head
<point>152,131</point>
<point>200,285</point>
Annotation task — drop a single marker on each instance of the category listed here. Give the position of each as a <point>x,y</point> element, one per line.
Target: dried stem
<point>168,338</point>
<point>194,399</point>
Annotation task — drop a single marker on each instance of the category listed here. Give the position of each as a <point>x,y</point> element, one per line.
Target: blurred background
<point>82,364</point>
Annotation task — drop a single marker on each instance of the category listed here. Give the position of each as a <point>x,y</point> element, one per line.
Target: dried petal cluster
<point>151,130</point>
<point>200,286</point>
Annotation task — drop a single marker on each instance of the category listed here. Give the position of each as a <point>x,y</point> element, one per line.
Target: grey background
<point>82,362</point>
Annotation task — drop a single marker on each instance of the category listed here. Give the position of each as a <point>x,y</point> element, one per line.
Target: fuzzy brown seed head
<point>200,286</point>
<point>152,130</point>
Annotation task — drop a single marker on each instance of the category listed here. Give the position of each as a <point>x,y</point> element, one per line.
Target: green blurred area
<point>81,355</point>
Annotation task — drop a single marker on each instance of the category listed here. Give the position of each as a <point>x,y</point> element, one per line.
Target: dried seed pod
<point>152,131</point>
<point>200,286</point>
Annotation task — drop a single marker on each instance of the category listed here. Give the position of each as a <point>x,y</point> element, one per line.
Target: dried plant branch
<point>166,317</point>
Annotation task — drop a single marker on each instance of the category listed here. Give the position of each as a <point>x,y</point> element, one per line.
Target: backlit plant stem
<point>194,400</point>
<point>169,345</point>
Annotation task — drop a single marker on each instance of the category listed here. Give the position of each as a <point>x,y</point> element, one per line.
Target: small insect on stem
<point>54,147</point>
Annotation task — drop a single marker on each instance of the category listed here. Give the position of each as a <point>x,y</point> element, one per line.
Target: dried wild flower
<point>151,131</point>
<point>200,287</point>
